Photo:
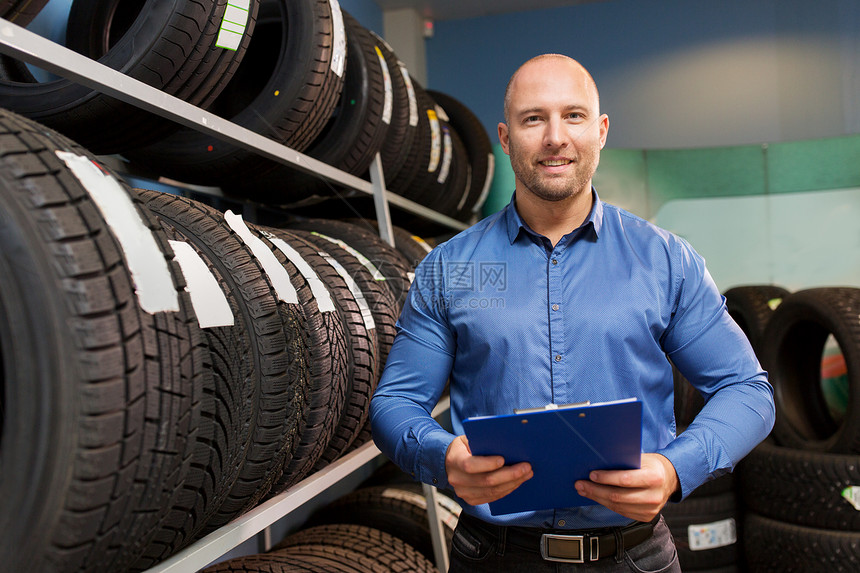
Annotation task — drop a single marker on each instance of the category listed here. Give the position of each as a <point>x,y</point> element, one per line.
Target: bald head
<point>548,60</point>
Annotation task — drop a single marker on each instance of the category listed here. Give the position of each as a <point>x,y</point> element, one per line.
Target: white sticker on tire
<point>435,141</point>
<point>378,276</point>
<point>318,288</point>
<point>276,272</point>
<point>366,315</point>
<point>440,111</point>
<point>711,535</point>
<point>338,44</point>
<point>447,155</point>
<point>233,24</point>
<point>208,300</point>
<point>485,192</point>
<point>388,103</point>
<point>153,283</point>
<point>852,495</point>
<point>410,91</point>
<point>467,188</point>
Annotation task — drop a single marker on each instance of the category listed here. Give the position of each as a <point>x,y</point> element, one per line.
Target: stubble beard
<point>554,187</point>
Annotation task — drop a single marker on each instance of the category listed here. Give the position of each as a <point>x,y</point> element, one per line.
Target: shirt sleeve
<point>713,353</point>
<point>414,378</point>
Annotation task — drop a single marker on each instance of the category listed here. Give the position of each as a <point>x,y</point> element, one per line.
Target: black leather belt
<point>571,546</point>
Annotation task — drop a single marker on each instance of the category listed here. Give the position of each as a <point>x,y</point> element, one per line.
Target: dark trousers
<point>478,546</point>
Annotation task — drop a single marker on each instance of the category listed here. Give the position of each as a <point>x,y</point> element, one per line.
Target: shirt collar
<point>515,224</point>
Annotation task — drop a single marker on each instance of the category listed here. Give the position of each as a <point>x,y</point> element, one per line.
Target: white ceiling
<point>453,9</point>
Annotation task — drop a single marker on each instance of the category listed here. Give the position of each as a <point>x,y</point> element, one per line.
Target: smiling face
<point>555,131</point>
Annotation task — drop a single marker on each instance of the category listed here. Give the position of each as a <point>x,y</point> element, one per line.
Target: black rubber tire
<point>285,89</point>
<point>792,350</point>
<point>361,349</point>
<point>410,245</point>
<point>772,545</point>
<point>356,133</point>
<point>101,398</point>
<point>371,549</point>
<point>350,139</point>
<point>393,267</point>
<point>752,307</point>
<point>252,376</point>
<point>329,380</point>
<point>377,295</point>
<point>434,155</point>
<point>21,12</point>
<point>451,184</point>
<point>700,511</point>
<point>479,150</point>
<point>283,402</point>
<point>801,487</point>
<point>404,120</point>
<point>168,44</point>
<point>399,510</point>
<point>407,181</point>
<point>275,563</point>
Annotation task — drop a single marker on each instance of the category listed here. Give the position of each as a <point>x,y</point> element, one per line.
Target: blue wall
<point>675,73</point>
<point>366,12</point>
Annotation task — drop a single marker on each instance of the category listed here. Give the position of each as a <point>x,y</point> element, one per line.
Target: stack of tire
<point>708,525</point>
<point>801,486</point>
<point>166,365</point>
<point>383,525</point>
<point>302,72</point>
<point>440,158</point>
<point>337,548</point>
<point>188,49</point>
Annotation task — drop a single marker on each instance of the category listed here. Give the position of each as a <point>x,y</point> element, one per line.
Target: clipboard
<point>563,444</point>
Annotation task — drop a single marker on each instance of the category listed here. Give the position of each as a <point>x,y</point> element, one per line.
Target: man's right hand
<point>482,479</point>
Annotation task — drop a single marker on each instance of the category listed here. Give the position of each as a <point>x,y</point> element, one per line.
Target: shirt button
<point>435,481</point>
<point>558,357</point>
<point>555,261</point>
<point>561,522</point>
<point>555,307</point>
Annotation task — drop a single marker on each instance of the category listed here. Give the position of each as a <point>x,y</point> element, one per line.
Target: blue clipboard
<point>563,444</point>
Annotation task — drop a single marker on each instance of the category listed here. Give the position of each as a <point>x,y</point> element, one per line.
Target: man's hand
<point>481,479</point>
<point>637,494</point>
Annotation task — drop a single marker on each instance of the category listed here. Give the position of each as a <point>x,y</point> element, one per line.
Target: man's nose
<point>554,134</point>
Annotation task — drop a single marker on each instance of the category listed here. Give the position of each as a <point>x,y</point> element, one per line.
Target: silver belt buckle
<point>548,553</point>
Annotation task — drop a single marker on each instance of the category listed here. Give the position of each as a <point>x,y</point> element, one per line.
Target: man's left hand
<point>637,494</point>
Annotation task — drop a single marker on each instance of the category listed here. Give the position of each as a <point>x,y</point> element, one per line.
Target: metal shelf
<point>22,44</point>
<point>31,48</point>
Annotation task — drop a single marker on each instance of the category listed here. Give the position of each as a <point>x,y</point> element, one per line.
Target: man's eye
<point>532,119</point>
<point>574,115</point>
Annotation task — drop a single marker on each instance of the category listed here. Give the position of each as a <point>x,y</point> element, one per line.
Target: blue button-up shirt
<point>515,322</point>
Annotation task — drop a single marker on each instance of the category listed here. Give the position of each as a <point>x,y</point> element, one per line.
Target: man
<point>562,298</point>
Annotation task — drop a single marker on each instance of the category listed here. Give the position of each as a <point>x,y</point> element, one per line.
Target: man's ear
<point>604,129</point>
<point>504,138</point>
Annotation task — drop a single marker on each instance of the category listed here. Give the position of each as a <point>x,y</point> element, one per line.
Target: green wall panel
<point>502,187</point>
<point>819,164</point>
<point>708,172</point>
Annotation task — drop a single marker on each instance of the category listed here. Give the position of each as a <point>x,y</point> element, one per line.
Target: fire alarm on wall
<point>428,27</point>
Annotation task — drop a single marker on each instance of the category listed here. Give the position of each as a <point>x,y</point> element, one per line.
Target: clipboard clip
<point>550,407</point>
